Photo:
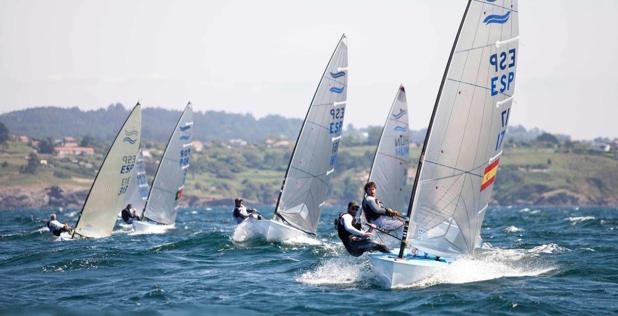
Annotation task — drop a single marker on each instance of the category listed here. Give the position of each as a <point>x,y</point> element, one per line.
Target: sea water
<point>534,260</point>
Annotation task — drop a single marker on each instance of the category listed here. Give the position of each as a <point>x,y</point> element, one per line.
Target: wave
<point>345,270</point>
<point>548,248</point>
<point>512,229</point>
<point>579,219</point>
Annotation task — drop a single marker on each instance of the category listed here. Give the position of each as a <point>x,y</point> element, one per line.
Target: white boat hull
<point>145,227</point>
<point>405,272</point>
<point>271,231</point>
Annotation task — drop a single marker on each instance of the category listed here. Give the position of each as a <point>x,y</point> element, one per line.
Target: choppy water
<point>542,261</point>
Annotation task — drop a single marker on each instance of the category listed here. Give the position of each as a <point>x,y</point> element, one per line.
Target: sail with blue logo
<point>109,189</point>
<point>390,164</point>
<point>461,154</point>
<point>313,161</point>
<point>169,181</point>
<point>137,194</point>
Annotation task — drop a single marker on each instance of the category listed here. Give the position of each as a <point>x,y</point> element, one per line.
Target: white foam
<point>142,228</point>
<point>343,270</point>
<point>579,219</point>
<point>513,229</point>
<point>493,264</point>
<point>549,248</point>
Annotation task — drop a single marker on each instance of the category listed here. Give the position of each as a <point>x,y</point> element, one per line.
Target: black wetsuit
<point>356,245</point>
<point>56,232</point>
<point>127,216</point>
<point>372,209</point>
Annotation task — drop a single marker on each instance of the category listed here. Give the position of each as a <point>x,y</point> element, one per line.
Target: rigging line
<point>291,225</point>
<point>307,172</point>
<point>457,169</point>
<point>477,86</point>
<point>497,5</point>
<point>317,124</point>
<point>393,157</point>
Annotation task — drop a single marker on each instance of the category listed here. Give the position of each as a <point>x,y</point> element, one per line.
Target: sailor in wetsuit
<point>241,212</point>
<point>356,242</point>
<point>56,227</point>
<point>129,214</point>
<point>375,213</point>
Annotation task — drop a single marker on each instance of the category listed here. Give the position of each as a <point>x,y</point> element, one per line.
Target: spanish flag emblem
<point>489,176</point>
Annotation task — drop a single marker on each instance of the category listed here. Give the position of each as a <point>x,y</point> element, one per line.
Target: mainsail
<point>390,164</point>
<point>306,182</point>
<point>109,188</point>
<point>169,180</point>
<point>137,194</point>
<point>460,157</point>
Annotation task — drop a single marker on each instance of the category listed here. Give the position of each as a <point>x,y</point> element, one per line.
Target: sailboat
<point>109,189</point>
<point>305,185</point>
<point>460,157</point>
<point>389,169</point>
<point>159,212</point>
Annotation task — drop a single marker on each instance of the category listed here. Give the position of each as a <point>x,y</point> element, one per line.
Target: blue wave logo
<point>336,90</point>
<point>184,137</point>
<point>491,0</point>
<point>129,140</point>
<point>185,128</point>
<point>337,74</point>
<point>400,129</point>
<point>498,19</point>
<point>401,113</point>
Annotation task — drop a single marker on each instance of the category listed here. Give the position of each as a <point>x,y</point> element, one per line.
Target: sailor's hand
<point>396,213</point>
<point>390,212</point>
<point>373,226</point>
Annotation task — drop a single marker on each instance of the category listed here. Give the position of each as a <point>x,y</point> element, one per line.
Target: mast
<point>161,161</point>
<point>406,227</point>
<point>287,170</point>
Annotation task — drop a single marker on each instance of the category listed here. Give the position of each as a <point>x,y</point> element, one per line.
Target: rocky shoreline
<point>73,197</point>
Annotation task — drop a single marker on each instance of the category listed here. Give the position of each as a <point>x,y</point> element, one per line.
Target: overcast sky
<point>265,57</point>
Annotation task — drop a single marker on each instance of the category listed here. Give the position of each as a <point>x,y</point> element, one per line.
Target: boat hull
<point>145,227</point>
<point>405,272</point>
<point>271,231</point>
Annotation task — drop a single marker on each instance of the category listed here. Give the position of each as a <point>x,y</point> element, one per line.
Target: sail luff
<point>406,227</point>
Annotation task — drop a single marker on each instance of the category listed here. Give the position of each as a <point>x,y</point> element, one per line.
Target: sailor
<point>56,227</point>
<point>385,218</point>
<point>356,241</point>
<point>241,212</point>
<point>129,214</point>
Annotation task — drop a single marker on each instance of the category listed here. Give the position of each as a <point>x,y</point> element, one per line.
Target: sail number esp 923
<point>502,62</point>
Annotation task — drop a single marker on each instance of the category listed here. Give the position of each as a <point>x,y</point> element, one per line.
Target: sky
<point>266,57</point>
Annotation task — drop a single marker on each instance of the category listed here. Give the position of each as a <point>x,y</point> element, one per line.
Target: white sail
<point>462,151</point>
<point>168,184</point>
<point>109,189</point>
<point>313,160</point>
<point>137,194</point>
<point>390,164</point>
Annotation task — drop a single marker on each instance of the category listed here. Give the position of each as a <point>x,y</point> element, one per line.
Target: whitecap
<point>549,248</point>
<point>512,229</point>
<point>578,219</point>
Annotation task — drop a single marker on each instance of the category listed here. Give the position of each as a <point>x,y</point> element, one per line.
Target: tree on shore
<point>4,134</point>
<point>32,165</point>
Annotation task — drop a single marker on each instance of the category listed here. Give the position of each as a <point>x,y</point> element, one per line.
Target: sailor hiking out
<point>56,227</point>
<point>356,241</point>
<point>241,212</point>
<point>384,218</point>
<point>129,214</point>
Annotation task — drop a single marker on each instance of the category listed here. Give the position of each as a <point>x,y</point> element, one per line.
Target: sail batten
<point>304,187</point>
<point>168,184</point>
<point>460,156</point>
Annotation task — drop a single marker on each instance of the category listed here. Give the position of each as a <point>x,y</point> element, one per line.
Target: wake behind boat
<point>305,185</point>
<point>161,206</point>
<point>461,153</point>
